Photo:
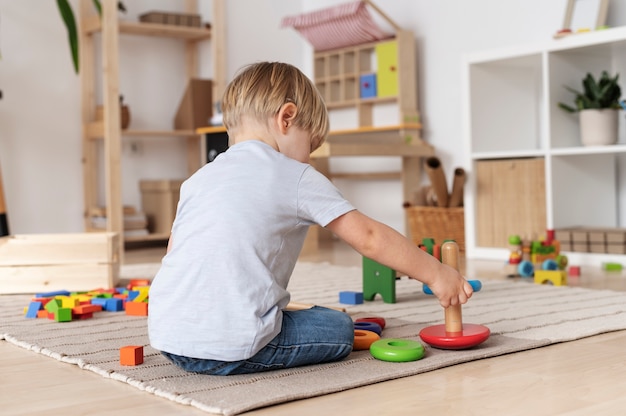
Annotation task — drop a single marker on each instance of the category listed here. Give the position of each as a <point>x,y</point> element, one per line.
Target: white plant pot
<point>598,127</point>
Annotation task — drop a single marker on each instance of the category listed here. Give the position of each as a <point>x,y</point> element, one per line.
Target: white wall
<point>40,155</point>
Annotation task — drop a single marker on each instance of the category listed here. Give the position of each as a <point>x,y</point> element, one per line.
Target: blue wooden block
<point>99,301</point>
<point>33,308</point>
<point>113,305</point>
<point>368,85</point>
<point>132,294</point>
<point>351,298</point>
<point>52,294</point>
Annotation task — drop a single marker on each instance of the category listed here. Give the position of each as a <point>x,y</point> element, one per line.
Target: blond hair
<point>259,91</point>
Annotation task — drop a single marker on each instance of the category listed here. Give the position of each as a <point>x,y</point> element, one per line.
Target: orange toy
<point>363,339</point>
<point>131,355</point>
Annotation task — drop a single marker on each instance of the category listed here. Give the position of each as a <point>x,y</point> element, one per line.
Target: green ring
<point>397,350</point>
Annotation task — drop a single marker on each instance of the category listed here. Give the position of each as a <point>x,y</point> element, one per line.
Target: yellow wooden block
<point>553,277</point>
<point>143,295</point>
<point>68,301</point>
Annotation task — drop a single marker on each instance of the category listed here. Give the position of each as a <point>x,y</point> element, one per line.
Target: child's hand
<point>451,288</point>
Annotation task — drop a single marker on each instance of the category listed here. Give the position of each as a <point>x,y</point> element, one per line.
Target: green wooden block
<point>63,315</point>
<point>53,305</point>
<point>378,279</point>
<point>612,267</point>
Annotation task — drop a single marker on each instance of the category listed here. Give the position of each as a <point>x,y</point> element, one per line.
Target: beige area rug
<point>521,315</point>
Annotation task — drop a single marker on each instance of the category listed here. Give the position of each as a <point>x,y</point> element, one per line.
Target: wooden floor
<point>585,377</point>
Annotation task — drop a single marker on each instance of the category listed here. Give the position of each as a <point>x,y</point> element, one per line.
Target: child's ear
<point>286,116</point>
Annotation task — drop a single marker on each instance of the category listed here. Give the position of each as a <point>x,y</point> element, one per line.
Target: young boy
<point>217,302</point>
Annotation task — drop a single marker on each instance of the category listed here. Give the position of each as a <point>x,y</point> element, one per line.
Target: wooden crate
<point>177,19</point>
<point>510,200</point>
<point>32,263</point>
<point>159,199</point>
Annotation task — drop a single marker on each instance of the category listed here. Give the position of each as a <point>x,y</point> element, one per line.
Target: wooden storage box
<point>438,223</point>
<point>166,18</point>
<point>159,199</point>
<point>510,200</point>
<point>592,240</point>
<point>32,263</point>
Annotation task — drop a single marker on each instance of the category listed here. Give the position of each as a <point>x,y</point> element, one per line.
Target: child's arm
<point>385,245</point>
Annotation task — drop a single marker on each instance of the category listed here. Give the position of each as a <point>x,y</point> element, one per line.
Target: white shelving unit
<point>511,112</point>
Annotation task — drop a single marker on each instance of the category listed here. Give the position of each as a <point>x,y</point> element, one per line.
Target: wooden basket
<point>438,223</point>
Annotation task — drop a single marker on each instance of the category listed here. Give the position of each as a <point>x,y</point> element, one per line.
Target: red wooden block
<point>82,315</point>
<point>574,271</point>
<point>138,282</point>
<point>137,308</point>
<point>89,308</point>
<point>131,355</point>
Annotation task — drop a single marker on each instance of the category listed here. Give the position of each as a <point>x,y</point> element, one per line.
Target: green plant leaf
<point>72,33</point>
<point>98,7</point>
<point>603,93</point>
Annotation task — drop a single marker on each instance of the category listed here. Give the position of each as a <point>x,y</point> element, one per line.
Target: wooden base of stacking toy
<point>454,334</point>
<point>469,336</point>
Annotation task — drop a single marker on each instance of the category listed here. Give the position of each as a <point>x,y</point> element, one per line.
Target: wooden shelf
<point>145,238</point>
<point>95,131</point>
<point>93,25</point>
<point>109,27</point>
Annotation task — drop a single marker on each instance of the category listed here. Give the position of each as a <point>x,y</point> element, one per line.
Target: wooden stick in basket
<point>4,225</point>
<point>458,182</point>
<point>438,180</point>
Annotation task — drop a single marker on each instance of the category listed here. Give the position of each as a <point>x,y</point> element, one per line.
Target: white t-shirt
<point>240,225</point>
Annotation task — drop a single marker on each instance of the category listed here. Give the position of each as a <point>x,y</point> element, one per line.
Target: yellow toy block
<point>68,301</point>
<point>143,294</point>
<point>553,277</point>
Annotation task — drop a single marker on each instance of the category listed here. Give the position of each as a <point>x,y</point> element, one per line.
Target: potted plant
<point>70,23</point>
<point>72,33</point>
<point>597,106</point>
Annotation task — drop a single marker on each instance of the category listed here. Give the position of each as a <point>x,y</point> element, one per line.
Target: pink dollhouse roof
<point>337,27</point>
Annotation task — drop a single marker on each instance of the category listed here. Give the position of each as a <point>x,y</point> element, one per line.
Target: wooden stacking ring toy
<point>454,334</point>
<point>397,350</point>
<point>368,326</point>
<point>363,339</point>
<point>376,319</point>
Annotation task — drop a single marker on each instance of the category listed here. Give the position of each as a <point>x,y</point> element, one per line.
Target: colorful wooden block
<point>131,355</point>
<point>114,305</point>
<point>612,267</point>
<point>83,309</point>
<point>351,298</point>
<point>33,309</point>
<point>53,305</point>
<point>136,308</point>
<point>52,294</point>
<point>143,294</point>
<point>554,277</point>
<point>63,315</point>
<point>574,270</point>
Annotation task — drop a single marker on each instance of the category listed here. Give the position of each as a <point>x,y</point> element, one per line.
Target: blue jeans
<point>309,336</point>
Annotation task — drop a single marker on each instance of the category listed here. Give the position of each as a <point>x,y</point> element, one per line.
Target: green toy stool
<point>378,279</point>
